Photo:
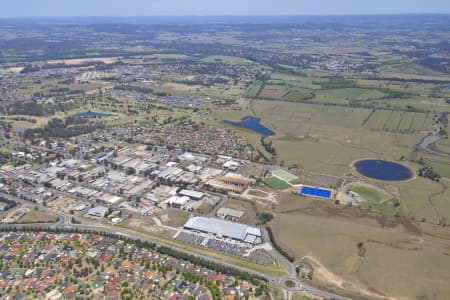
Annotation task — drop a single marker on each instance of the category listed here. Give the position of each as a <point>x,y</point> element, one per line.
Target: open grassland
<point>174,217</point>
<point>393,121</point>
<point>440,166</point>
<point>271,92</point>
<point>443,146</point>
<point>345,95</point>
<point>325,138</point>
<point>423,198</point>
<point>406,121</point>
<point>254,91</point>
<point>38,216</point>
<point>402,251</point>
<point>399,121</point>
<point>319,138</point>
<point>378,119</point>
<point>298,94</point>
<point>297,81</point>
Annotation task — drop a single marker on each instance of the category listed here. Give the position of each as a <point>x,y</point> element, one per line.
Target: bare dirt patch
<point>263,198</point>
<point>174,217</point>
<point>146,225</point>
<point>272,94</point>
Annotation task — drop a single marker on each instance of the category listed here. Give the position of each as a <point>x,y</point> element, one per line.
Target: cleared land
<point>174,217</point>
<point>267,93</point>
<point>249,208</point>
<point>38,216</point>
<point>328,235</point>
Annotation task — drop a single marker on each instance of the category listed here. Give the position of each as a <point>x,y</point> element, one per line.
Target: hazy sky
<point>20,8</point>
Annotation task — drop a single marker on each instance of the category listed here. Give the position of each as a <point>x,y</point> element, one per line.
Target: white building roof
<point>99,211</point>
<point>221,227</point>
<point>177,200</point>
<point>191,194</point>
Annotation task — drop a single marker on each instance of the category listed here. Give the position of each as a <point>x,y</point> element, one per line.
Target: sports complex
<point>316,192</point>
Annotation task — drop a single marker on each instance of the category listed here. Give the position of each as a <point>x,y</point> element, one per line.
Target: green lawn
<point>376,200</point>
<point>369,194</point>
<point>277,184</point>
<point>442,168</point>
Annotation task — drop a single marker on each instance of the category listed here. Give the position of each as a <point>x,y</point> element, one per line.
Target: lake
<point>91,114</point>
<point>252,123</point>
<point>383,170</point>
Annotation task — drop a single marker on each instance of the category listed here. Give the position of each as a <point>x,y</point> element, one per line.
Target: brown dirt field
<point>146,225</point>
<point>397,251</point>
<point>181,87</point>
<point>174,218</point>
<point>272,94</point>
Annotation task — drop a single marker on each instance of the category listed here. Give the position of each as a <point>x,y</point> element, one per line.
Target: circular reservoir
<point>383,170</point>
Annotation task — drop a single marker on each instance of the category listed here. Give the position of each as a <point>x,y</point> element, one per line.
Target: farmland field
<point>378,119</point>
<point>322,138</point>
<point>348,94</point>
<point>269,93</point>
<point>398,121</point>
<point>406,122</point>
<point>393,121</point>
<point>296,95</point>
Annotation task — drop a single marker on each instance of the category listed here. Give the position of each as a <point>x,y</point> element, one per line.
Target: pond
<point>91,114</point>
<point>252,123</point>
<point>383,170</point>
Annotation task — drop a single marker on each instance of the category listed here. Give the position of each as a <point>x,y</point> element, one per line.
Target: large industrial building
<point>221,228</point>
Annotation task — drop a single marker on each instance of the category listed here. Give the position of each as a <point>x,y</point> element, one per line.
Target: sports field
<point>376,200</point>
<point>277,183</point>
<point>284,175</point>
<point>315,192</point>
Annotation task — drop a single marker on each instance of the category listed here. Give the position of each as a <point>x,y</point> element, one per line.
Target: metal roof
<point>221,227</point>
<point>191,194</point>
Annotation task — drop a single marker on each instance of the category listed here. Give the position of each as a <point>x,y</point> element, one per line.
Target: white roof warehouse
<point>235,231</point>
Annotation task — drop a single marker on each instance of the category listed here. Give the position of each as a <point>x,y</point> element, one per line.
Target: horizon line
<point>228,15</point>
